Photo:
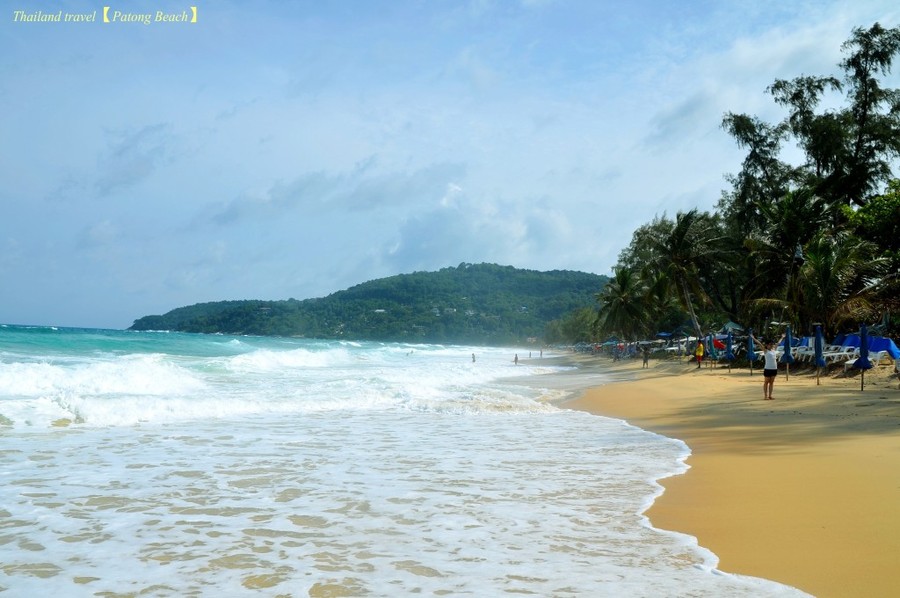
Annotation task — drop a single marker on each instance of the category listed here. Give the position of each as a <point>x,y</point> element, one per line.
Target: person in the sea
<point>645,351</point>
<point>516,359</point>
<point>770,368</point>
<point>698,353</point>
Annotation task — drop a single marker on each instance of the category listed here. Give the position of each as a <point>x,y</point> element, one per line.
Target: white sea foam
<point>269,361</point>
<point>99,392</point>
<point>104,388</point>
<point>298,468</point>
<point>370,503</point>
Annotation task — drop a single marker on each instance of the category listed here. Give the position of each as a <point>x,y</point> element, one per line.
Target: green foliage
<point>879,219</point>
<point>837,280</point>
<point>471,303</point>
<point>693,245</point>
<point>623,309</point>
<point>879,223</point>
<point>574,327</point>
<point>804,243</point>
<point>848,152</point>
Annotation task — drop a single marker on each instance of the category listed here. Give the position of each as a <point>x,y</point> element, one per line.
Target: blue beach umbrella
<point>862,362</point>
<point>751,350</point>
<point>819,345</point>
<point>786,357</point>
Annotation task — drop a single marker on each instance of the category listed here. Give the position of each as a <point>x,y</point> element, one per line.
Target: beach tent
<point>875,344</point>
<point>847,340</point>
<point>883,343</point>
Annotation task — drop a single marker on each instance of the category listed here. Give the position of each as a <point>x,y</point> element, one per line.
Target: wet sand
<point>803,490</point>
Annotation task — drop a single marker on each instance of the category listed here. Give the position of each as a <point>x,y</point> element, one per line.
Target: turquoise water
<point>162,464</point>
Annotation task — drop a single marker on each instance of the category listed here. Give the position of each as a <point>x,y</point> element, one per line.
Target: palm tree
<point>663,309</point>
<point>791,222</point>
<point>622,308</point>
<point>694,240</point>
<point>839,280</point>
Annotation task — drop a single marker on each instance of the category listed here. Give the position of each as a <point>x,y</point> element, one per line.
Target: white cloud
<point>340,146</point>
<point>99,234</point>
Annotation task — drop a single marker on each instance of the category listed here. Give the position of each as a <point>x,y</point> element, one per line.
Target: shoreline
<point>803,490</point>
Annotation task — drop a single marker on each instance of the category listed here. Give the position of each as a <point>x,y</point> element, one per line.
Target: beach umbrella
<point>751,350</point>
<point>729,353</point>
<point>786,358</point>
<point>711,348</point>
<point>820,359</point>
<point>862,362</point>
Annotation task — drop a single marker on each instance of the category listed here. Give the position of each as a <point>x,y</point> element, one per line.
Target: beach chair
<point>840,356</point>
<point>802,354</point>
<point>874,359</point>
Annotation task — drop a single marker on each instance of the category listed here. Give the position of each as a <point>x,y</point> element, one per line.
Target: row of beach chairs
<point>832,354</point>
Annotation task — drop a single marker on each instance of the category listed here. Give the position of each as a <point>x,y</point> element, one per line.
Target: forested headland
<point>816,241</point>
<point>482,304</point>
<point>811,241</point>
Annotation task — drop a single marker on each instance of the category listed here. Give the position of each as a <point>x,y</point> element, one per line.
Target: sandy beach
<point>804,490</point>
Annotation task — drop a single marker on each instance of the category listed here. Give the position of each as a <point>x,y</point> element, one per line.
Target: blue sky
<point>294,148</point>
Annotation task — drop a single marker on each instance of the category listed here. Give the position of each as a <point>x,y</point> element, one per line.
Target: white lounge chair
<point>874,359</point>
<point>839,356</point>
<point>804,354</point>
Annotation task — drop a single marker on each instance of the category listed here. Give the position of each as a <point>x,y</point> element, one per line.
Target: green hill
<point>472,304</point>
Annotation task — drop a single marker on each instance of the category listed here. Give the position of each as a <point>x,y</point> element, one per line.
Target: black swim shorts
<point>770,373</point>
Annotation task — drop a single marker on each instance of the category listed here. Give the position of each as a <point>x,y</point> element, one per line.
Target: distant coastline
<point>482,304</point>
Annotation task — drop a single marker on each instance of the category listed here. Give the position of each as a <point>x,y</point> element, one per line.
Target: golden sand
<point>803,490</point>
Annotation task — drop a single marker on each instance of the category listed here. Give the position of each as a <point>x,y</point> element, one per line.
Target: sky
<point>291,149</point>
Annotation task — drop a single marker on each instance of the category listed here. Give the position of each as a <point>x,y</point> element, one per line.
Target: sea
<point>169,464</point>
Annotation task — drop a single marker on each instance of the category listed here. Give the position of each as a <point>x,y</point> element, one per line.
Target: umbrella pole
<point>818,370</point>
<point>862,380</point>
<point>787,371</point>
